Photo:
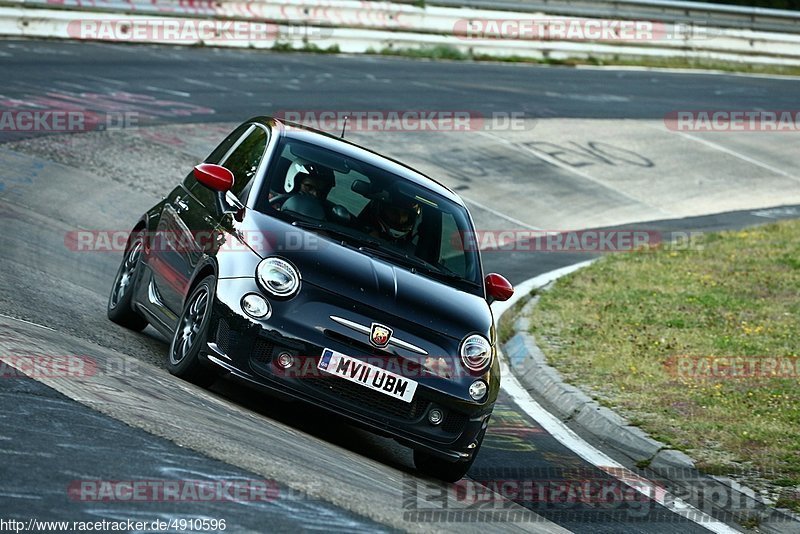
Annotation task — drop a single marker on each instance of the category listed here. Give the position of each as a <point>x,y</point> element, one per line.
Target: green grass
<point>505,329</point>
<point>614,327</point>
<point>307,47</point>
<point>427,52</point>
<point>453,53</point>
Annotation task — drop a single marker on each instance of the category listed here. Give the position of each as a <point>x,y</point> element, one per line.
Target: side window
<point>222,149</point>
<point>451,254</point>
<point>245,159</point>
<point>218,153</point>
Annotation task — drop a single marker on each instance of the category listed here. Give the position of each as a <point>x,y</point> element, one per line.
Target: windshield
<point>371,209</point>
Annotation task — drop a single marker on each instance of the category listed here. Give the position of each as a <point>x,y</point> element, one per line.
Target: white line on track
<point>21,496</point>
<point>695,72</point>
<point>77,86</point>
<point>737,155</point>
<point>496,213</point>
<point>200,83</point>
<point>168,91</point>
<point>9,452</point>
<point>561,432</point>
<point>26,322</point>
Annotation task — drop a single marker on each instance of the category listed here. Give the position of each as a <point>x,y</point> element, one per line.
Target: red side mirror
<point>497,287</point>
<point>215,177</point>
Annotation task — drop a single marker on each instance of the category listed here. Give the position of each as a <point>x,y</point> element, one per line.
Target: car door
<point>186,228</point>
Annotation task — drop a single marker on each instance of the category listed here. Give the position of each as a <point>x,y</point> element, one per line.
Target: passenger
<point>310,179</point>
<point>393,221</point>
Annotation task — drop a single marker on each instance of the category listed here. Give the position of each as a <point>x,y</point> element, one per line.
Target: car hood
<point>372,281</point>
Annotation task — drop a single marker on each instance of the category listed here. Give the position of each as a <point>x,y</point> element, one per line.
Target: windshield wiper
<point>374,247</point>
<point>339,234</point>
<point>416,263</point>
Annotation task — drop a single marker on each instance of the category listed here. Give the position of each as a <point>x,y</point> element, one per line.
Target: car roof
<point>337,144</point>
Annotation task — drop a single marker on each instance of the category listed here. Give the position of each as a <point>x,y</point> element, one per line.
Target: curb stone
<point>570,404</point>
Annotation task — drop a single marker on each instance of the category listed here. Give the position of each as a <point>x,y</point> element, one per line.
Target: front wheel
<point>191,335</point>
<point>120,301</point>
<point>443,470</point>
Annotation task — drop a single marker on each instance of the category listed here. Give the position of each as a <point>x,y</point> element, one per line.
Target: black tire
<point>120,300</point>
<point>191,334</point>
<point>442,469</point>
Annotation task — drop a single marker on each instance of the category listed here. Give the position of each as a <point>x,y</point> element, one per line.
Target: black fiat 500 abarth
<point>305,265</point>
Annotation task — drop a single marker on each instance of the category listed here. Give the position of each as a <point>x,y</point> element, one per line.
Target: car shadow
<point>317,422</point>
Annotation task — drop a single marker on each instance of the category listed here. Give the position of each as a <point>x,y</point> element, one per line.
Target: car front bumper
<point>248,348</point>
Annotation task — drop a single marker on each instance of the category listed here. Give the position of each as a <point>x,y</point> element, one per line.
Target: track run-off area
<point>587,148</point>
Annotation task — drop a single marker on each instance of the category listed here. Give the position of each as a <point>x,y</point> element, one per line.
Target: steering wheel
<point>279,199</point>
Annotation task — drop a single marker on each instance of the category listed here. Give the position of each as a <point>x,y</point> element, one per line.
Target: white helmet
<point>300,169</point>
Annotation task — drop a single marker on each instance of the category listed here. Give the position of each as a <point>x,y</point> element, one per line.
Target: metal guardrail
<point>354,26</point>
<point>679,12</point>
<point>665,11</point>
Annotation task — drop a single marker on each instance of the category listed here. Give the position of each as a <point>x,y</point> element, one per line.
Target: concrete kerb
<point>571,405</point>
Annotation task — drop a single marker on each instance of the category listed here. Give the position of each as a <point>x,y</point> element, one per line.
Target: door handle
<point>180,205</point>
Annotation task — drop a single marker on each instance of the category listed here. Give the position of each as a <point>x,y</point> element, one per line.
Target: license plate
<point>367,375</point>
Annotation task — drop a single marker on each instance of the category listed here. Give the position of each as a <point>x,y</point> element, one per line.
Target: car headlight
<point>255,306</point>
<point>476,353</point>
<point>478,390</point>
<point>278,277</point>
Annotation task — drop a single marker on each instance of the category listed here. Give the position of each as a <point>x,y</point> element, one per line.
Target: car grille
<point>262,351</point>
<point>364,397</point>
<point>454,422</point>
<point>224,340</point>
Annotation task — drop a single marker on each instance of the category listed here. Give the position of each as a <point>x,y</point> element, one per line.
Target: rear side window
<point>244,161</point>
<point>451,253</point>
<point>223,148</point>
<point>215,157</point>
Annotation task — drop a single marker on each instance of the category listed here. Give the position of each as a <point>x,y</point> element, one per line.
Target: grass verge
<point>453,53</point>
<point>698,347</point>
<point>506,327</point>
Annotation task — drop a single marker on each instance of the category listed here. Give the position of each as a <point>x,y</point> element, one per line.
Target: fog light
<point>285,360</point>
<point>478,390</point>
<point>255,306</point>
<point>435,416</point>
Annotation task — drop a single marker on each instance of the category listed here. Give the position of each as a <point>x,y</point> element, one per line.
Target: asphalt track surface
<point>48,440</point>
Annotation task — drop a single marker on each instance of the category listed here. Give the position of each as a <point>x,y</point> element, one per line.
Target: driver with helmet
<point>309,179</point>
<point>306,187</point>
<point>393,221</point>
